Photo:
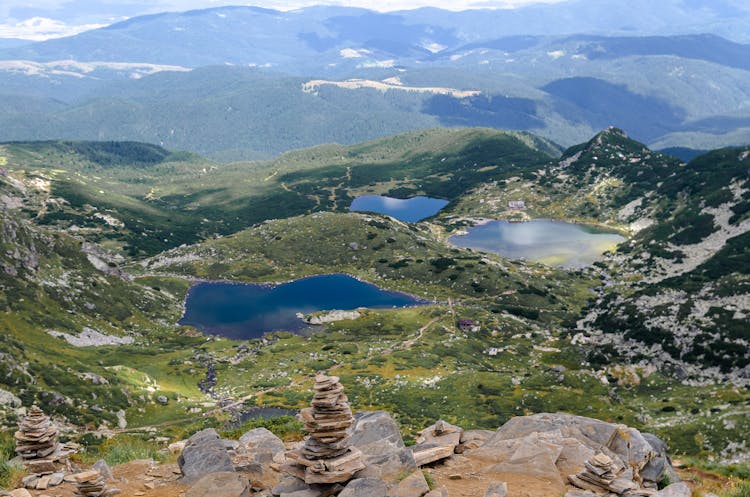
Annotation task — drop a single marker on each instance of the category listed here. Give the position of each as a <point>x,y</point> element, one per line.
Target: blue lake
<point>556,243</point>
<point>408,210</point>
<point>242,311</point>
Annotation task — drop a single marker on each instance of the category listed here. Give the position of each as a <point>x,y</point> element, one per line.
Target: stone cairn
<point>326,456</point>
<point>90,484</point>
<point>603,475</point>
<point>36,440</point>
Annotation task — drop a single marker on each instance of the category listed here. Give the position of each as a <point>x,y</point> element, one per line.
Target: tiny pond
<point>408,210</point>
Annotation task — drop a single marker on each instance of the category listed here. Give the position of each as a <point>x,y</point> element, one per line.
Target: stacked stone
<point>326,456</point>
<point>90,484</point>
<point>603,475</point>
<point>328,420</point>
<point>36,437</point>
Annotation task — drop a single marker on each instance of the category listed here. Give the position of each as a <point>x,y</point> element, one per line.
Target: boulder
<point>259,445</point>
<point>204,453</point>
<point>632,447</point>
<point>679,489</point>
<point>413,485</point>
<point>378,437</point>
<point>591,432</point>
<point>436,442</point>
<point>222,484</point>
<point>103,468</point>
<point>365,487</point>
<point>660,465</point>
<point>288,484</point>
<point>497,489</point>
<point>438,492</point>
<point>473,439</point>
<point>7,399</point>
<point>20,492</point>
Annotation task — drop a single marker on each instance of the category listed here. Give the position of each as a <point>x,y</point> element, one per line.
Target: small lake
<point>408,210</point>
<point>242,311</point>
<point>556,243</point>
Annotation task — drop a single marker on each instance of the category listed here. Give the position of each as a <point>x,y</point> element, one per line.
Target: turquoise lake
<point>242,311</point>
<point>408,210</point>
<point>556,243</point>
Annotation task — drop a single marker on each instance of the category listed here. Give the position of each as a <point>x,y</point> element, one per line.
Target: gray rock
<point>222,484</point>
<point>204,453</point>
<point>163,400</point>
<point>376,433</point>
<point>30,481</point>
<point>378,437</point>
<point>653,470</point>
<point>413,485</point>
<point>260,445</point>
<point>308,492</point>
<point>497,489</point>
<point>591,432</point>
<point>680,489</point>
<point>580,493</point>
<point>289,484</point>
<point>438,492</point>
<point>7,399</point>
<point>365,487</point>
<point>633,449</point>
<point>473,439</point>
<point>103,468</point>
<point>56,479</point>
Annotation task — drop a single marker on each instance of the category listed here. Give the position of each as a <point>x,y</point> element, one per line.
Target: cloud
<point>42,28</point>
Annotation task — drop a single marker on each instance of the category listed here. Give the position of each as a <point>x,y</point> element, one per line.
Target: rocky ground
<point>530,456</point>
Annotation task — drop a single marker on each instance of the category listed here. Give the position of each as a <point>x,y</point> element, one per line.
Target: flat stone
<point>288,484</point>
<point>20,492</point>
<point>365,487</point>
<point>85,476</point>
<point>221,484</point>
<point>40,466</point>
<point>429,452</point>
<point>308,492</point>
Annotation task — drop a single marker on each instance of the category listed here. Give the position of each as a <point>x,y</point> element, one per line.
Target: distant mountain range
<point>509,69</point>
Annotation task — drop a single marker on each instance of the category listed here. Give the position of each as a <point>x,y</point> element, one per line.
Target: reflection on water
<point>556,243</point>
<point>409,210</point>
<point>244,311</point>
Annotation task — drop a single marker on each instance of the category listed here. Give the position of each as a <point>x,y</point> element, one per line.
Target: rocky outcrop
<point>91,338</point>
<point>332,317</point>
<point>593,455</point>
<point>327,455</point>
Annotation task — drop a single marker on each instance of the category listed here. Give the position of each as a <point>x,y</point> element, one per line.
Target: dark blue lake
<point>242,311</point>
<point>408,210</point>
<point>557,243</point>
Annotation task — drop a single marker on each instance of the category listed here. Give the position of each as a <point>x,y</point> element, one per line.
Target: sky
<point>44,19</point>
